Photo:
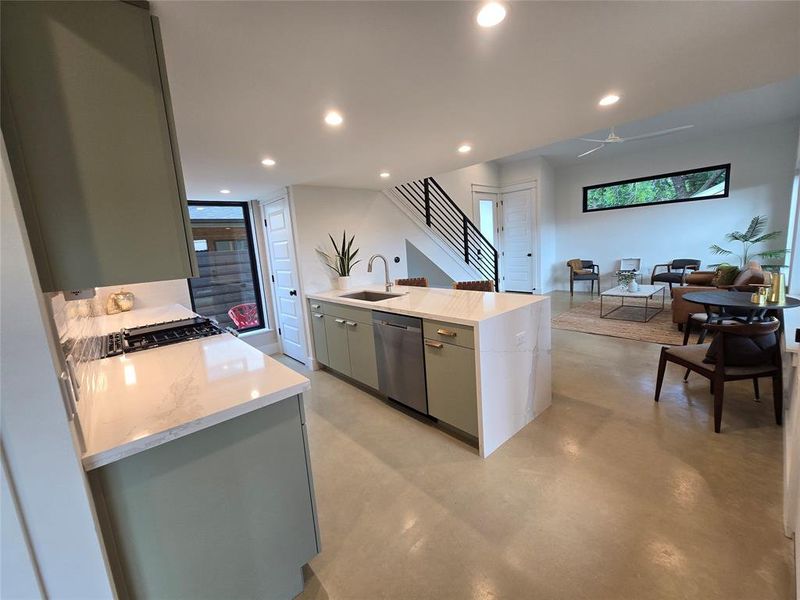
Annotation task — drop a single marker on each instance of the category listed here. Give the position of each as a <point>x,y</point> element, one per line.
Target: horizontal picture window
<point>681,186</point>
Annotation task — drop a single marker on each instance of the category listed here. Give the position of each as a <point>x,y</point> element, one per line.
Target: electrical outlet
<point>78,294</point>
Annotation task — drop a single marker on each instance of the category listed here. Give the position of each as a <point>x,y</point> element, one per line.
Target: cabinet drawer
<point>452,391</point>
<point>450,333</point>
<point>349,313</point>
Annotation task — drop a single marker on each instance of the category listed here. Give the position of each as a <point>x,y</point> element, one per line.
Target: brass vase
<point>777,291</point>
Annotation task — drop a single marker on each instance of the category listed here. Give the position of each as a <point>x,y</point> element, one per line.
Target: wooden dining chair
<point>738,352</point>
<point>413,281</point>
<point>485,285</point>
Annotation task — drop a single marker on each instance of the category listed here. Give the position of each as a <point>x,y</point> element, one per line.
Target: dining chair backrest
<point>413,281</point>
<point>744,345</point>
<point>477,286</point>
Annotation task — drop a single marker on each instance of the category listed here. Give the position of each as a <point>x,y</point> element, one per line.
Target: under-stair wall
<point>380,227</point>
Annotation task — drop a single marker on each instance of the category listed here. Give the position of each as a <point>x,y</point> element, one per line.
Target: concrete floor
<point>606,495</point>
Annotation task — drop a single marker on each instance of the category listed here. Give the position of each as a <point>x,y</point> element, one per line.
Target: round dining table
<point>737,305</point>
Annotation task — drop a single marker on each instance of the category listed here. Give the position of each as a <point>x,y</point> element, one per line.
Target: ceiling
<point>740,110</point>
<point>414,80</point>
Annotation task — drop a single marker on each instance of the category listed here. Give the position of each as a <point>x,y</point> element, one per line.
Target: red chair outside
<point>244,316</point>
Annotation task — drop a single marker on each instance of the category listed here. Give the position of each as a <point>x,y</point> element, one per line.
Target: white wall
<point>458,184</point>
<point>379,226</point>
<point>762,160</point>
<point>38,443</point>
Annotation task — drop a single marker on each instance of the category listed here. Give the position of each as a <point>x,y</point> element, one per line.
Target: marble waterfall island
<point>506,337</point>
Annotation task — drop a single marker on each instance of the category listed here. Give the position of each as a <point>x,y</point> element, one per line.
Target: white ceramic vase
<point>343,283</point>
<point>633,286</point>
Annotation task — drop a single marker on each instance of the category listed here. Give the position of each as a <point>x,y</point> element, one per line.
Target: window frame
<point>254,267</point>
<point>726,167</point>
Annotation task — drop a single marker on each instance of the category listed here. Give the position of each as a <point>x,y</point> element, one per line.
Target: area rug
<point>585,318</point>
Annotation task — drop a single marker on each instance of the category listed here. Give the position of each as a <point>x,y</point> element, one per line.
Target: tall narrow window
<point>227,289</point>
<point>486,219</point>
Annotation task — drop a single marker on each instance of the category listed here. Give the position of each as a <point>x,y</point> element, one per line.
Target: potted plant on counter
<point>342,260</point>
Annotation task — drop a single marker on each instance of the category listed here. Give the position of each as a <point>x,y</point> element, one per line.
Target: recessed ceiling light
<point>385,174</point>
<point>608,100</point>
<point>464,148</point>
<point>224,191</point>
<point>334,118</point>
<point>268,162</point>
<point>491,14</point>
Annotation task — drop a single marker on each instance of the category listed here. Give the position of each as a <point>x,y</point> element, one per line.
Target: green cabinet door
<point>452,393</point>
<point>87,122</point>
<point>336,339</point>
<point>320,339</point>
<point>361,342</point>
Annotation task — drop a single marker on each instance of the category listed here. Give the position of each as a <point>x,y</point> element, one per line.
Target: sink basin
<point>370,296</point>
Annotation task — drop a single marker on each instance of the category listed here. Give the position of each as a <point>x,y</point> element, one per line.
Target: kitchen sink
<point>370,296</point>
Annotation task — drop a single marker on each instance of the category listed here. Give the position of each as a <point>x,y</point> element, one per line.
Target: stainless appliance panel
<point>401,360</point>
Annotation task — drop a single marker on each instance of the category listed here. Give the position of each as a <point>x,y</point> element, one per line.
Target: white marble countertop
<point>454,306</point>
<point>144,399</point>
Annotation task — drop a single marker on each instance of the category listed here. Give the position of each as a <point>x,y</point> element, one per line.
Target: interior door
<point>516,260</point>
<point>283,264</point>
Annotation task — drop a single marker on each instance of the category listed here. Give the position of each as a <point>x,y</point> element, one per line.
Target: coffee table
<point>646,292</point>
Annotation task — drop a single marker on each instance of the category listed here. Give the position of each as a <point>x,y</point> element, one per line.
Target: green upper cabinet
<point>87,120</point>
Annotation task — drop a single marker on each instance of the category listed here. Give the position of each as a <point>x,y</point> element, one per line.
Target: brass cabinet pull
<point>340,321</point>
<point>351,323</point>
<point>437,345</point>
<point>446,332</point>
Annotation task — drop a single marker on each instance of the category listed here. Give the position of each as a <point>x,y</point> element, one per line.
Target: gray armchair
<point>588,272</point>
<point>676,271</point>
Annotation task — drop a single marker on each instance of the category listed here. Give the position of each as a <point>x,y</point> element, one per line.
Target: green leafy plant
<point>342,260</point>
<point>625,277</point>
<point>753,236</point>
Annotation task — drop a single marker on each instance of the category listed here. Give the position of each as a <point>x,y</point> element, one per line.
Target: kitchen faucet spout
<point>388,282</point>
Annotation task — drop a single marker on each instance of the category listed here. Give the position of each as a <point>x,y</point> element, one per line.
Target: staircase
<point>431,205</point>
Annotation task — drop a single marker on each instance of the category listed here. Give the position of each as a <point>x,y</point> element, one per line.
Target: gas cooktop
<point>156,335</point>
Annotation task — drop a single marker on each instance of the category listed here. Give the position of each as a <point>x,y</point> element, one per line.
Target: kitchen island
<point>197,456</point>
<point>487,355</point>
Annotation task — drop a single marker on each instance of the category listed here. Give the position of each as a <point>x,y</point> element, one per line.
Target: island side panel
<point>513,369</point>
<point>223,512</point>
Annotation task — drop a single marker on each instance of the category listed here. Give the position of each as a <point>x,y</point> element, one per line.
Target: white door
<point>516,261</point>
<point>283,264</point>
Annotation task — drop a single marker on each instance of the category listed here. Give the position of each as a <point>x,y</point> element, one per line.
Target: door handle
<point>437,345</point>
<point>446,332</point>
<point>293,292</point>
<point>529,254</point>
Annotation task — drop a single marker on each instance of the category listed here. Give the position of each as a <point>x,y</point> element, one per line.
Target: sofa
<point>744,280</point>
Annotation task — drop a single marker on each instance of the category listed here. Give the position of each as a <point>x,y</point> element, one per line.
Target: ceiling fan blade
<point>656,133</point>
<point>593,140</point>
<point>592,150</point>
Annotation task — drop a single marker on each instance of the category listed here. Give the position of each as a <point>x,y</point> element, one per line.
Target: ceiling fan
<point>613,138</point>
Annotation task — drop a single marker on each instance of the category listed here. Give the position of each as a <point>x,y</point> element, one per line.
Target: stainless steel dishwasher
<point>400,358</point>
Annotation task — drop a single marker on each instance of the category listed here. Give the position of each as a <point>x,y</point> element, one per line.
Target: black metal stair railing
<point>445,218</point>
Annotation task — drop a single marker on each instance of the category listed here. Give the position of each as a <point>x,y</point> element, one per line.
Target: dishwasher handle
<point>396,326</point>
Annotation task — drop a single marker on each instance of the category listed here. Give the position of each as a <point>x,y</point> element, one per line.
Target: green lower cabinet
<point>225,512</point>
<point>337,348</point>
<point>361,342</point>
<point>452,393</point>
<point>320,339</point>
